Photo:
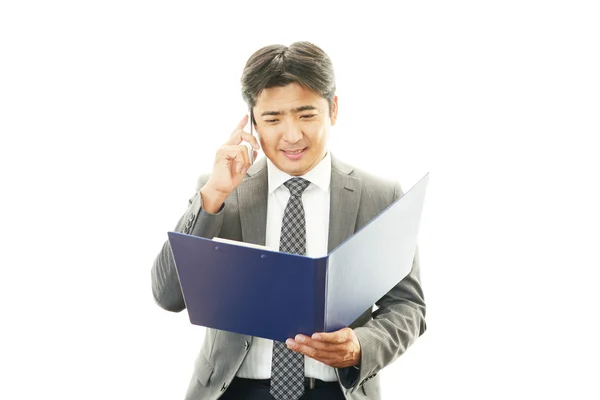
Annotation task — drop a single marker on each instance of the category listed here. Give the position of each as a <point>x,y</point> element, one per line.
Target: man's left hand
<point>338,349</point>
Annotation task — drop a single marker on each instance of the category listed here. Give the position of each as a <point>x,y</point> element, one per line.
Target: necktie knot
<point>296,186</point>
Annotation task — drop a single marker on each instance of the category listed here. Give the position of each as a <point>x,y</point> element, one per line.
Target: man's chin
<point>291,167</point>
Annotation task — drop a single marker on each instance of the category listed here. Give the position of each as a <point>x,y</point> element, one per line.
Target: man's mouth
<point>294,154</point>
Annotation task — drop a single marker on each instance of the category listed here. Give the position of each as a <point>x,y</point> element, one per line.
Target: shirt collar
<point>319,176</point>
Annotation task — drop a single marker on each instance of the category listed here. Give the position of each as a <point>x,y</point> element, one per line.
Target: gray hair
<point>278,65</point>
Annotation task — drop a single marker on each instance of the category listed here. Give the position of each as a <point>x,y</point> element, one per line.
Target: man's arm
<point>204,216</point>
<point>165,282</point>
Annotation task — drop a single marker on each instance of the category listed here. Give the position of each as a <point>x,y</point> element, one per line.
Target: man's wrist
<point>212,200</point>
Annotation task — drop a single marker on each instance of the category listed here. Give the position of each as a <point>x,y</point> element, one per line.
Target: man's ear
<point>334,110</point>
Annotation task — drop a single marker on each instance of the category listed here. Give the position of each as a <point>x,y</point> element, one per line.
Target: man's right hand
<point>231,163</point>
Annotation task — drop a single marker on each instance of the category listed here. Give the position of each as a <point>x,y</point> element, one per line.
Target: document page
<point>373,260</point>
<point>238,243</point>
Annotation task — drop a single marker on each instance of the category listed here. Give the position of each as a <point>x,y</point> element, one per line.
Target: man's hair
<point>278,65</point>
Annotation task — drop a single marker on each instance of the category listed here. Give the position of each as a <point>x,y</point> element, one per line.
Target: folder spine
<point>320,293</point>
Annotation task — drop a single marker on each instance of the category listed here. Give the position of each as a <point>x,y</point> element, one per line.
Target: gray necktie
<point>287,368</point>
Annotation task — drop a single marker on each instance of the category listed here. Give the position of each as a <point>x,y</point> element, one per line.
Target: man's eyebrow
<point>304,108</point>
<point>295,110</point>
<point>270,113</point>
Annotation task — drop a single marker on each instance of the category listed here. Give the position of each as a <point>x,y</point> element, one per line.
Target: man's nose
<point>292,133</point>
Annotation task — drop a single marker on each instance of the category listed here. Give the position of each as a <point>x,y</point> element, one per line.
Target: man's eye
<point>270,121</point>
<point>308,116</point>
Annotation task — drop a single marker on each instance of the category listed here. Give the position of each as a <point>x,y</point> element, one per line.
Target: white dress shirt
<point>315,199</point>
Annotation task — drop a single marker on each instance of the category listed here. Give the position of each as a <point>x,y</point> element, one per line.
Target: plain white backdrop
<point>110,110</point>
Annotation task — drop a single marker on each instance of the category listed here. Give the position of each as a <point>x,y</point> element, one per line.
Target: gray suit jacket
<point>356,198</point>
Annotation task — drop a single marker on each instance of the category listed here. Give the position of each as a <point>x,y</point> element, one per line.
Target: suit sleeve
<point>195,221</point>
<point>396,324</point>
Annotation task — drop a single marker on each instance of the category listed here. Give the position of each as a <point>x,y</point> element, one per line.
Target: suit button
<point>192,217</point>
<point>186,231</point>
<point>246,345</point>
<point>223,387</point>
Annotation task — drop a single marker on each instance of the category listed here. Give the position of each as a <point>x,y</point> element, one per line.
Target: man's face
<point>293,125</point>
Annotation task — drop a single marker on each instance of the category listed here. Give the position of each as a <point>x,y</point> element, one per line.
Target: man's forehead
<point>289,98</point>
<point>290,110</point>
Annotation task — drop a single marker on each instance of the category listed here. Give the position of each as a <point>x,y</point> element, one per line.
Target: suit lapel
<point>344,203</point>
<point>252,200</point>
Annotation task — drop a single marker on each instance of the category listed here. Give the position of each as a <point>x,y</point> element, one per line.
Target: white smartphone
<point>248,145</point>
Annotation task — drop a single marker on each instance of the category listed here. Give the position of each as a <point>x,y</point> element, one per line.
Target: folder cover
<point>275,295</point>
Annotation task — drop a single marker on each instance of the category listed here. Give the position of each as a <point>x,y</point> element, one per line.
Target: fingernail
<point>316,337</point>
<point>299,339</point>
<point>290,342</point>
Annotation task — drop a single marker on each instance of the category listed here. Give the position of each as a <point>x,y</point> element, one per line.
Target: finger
<point>245,159</point>
<point>232,158</point>
<point>302,349</point>
<point>250,139</point>
<point>235,138</point>
<point>242,136</point>
<point>320,345</point>
<point>236,156</point>
<point>242,123</point>
<point>327,357</point>
<point>312,352</point>
<point>341,336</point>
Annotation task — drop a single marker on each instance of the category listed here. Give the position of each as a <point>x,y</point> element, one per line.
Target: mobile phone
<point>250,149</point>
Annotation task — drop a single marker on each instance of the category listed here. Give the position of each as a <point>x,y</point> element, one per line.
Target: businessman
<point>300,199</point>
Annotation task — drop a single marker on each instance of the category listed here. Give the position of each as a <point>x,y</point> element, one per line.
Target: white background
<point>109,110</point>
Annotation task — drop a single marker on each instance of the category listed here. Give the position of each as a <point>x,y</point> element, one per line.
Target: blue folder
<point>277,295</point>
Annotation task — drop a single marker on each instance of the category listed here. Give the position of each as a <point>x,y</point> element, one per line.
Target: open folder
<point>276,295</point>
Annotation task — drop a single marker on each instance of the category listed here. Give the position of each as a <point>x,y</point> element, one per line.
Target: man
<point>298,199</point>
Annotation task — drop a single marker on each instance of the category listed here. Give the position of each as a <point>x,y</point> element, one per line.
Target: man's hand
<point>231,163</point>
<point>338,349</point>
